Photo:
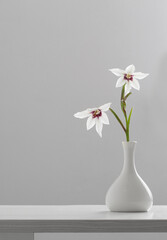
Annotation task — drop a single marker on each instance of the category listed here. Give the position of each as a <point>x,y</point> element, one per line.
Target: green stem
<point>127,129</point>
<point>127,133</point>
<point>116,116</point>
<point>123,107</point>
<point>128,124</point>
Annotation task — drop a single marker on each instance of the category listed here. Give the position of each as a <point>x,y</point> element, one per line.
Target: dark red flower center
<point>128,77</point>
<point>97,113</point>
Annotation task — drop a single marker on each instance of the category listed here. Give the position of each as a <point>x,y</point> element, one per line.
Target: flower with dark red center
<point>128,77</point>
<point>96,116</point>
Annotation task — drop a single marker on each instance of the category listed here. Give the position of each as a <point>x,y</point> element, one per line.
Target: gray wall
<point>54,61</point>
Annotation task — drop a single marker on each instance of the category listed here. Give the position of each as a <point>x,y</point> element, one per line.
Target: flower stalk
<point>123,107</point>
<point>116,116</point>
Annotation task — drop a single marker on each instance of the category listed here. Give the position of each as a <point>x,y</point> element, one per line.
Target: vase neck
<point>129,157</point>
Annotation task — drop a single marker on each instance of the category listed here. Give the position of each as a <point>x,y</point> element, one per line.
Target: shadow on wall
<point>159,102</point>
<point>157,125</point>
<point>152,150</point>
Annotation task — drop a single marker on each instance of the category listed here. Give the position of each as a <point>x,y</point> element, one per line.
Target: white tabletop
<point>80,218</point>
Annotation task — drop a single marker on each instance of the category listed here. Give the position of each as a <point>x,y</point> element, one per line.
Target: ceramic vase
<point>129,193</point>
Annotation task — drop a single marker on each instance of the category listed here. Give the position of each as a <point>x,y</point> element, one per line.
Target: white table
<point>21,222</point>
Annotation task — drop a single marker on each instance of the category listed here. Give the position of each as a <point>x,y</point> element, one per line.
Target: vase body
<point>129,193</point>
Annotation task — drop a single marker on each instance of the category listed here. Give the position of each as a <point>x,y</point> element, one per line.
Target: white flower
<point>96,116</point>
<point>128,77</point>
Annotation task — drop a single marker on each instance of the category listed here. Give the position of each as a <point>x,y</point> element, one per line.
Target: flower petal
<point>90,123</point>
<point>135,84</point>
<point>127,88</point>
<point>92,109</point>
<point>117,71</point>
<point>82,114</point>
<point>140,75</point>
<point>105,107</point>
<point>120,82</point>
<point>104,118</point>
<point>99,126</point>
<point>130,69</point>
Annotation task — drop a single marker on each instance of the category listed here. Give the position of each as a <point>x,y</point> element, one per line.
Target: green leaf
<point>129,116</point>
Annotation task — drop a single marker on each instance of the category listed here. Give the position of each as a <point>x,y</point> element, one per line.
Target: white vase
<point>129,193</point>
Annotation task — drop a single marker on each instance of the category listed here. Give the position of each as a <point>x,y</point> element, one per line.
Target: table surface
<point>79,218</point>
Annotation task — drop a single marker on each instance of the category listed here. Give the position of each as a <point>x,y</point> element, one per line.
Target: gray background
<point>54,61</point>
